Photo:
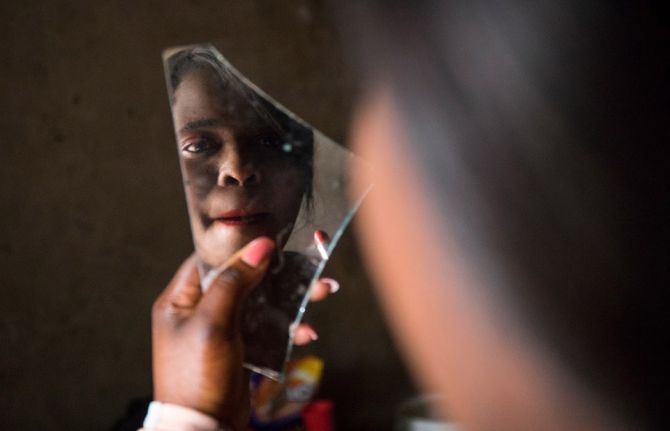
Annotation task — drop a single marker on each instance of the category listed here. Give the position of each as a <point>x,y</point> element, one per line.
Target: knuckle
<point>162,311</point>
<point>157,309</point>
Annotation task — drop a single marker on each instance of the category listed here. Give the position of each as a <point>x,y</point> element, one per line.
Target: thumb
<point>243,271</point>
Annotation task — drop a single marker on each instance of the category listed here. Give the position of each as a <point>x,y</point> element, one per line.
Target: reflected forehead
<point>197,94</point>
<point>199,124</point>
<point>201,101</point>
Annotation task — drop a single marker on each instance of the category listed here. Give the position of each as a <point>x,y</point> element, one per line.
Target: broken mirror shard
<point>252,168</point>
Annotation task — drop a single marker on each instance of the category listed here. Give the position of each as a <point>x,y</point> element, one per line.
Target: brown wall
<point>93,218</point>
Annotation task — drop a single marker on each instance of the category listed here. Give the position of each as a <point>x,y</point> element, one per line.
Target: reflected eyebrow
<point>198,124</point>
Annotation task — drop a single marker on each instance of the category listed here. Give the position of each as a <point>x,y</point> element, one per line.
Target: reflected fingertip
<point>305,336</point>
<point>307,333</point>
<point>319,292</point>
<point>333,285</point>
<point>299,341</point>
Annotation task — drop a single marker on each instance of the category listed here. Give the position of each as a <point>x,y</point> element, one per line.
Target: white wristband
<point>171,417</point>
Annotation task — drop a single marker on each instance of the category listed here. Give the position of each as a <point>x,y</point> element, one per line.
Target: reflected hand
<point>197,346</point>
<point>304,333</point>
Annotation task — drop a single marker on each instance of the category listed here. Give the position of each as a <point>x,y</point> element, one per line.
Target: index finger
<point>322,288</point>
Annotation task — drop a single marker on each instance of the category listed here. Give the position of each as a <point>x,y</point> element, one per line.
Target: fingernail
<point>312,334</point>
<point>257,251</point>
<point>333,285</point>
<point>321,239</point>
<point>321,236</point>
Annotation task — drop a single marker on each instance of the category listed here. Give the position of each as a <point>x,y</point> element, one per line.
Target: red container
<point>318,416</point>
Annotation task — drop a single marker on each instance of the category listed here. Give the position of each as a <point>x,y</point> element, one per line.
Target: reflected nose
<point>236,170</point>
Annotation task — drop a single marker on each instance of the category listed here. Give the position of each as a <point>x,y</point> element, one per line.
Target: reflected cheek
<point>286,192</point>
<point>199,178</point>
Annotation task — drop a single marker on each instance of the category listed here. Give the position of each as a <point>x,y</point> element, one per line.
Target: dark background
<point>93,216</point>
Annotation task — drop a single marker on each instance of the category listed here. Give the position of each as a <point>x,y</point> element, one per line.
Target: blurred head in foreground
<point>516,231</point>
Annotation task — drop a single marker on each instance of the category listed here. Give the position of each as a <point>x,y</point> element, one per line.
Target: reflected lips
<point>241,218</point>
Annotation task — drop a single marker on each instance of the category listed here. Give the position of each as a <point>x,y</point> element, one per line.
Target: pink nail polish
<point>321,239</point>
<point>257,251</point>
<point>333,285</point>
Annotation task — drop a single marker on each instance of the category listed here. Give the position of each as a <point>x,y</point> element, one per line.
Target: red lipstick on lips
<point>241,218</point>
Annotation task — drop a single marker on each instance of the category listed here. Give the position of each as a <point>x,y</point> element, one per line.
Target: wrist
<point>163,416</point>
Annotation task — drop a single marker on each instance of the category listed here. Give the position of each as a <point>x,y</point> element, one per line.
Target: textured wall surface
<point>93,216</point>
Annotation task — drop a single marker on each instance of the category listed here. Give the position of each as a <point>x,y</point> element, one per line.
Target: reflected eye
<point>269,141</point>
<point>201,146</point>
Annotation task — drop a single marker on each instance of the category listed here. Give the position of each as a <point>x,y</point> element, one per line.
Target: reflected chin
<point>222,239</point>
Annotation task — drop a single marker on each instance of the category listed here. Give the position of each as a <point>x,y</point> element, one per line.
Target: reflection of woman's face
<point>239,182</point>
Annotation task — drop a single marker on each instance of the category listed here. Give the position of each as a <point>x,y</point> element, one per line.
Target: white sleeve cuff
<point>171,417</point>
